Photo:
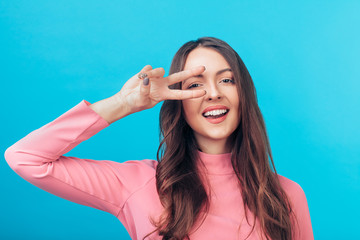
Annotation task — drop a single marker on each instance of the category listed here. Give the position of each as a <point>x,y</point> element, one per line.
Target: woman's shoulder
<point>294,192</point>
<point>299,206</point>
<point>292,188</point>
<point>133,174</point>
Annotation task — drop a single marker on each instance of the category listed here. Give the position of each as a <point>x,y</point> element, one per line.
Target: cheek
<point>234,96</point>
<point>235,101</point>
<point>190,106</point>
<point>190,110</point>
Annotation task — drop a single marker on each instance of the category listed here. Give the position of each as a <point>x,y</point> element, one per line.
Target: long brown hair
<point>179,185</point>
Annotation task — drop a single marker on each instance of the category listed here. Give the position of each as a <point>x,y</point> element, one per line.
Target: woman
<point>212,180</point>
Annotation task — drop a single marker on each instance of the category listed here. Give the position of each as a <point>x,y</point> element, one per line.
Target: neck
<point>215,163</point>
<point>212,146</point>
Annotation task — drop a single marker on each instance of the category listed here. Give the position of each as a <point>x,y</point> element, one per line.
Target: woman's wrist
<point>111,109</point>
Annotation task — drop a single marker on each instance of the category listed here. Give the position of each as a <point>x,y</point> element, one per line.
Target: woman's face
<point>215,116</point>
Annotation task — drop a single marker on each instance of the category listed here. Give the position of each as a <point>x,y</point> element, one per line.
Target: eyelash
<point>223,80</point>
<point>192,85</point>
<point>230,80</point>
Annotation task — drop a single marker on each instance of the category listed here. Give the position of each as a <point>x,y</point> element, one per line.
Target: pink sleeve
<point>38,158</point>
<point>302,214</point>
<point>303,228</point>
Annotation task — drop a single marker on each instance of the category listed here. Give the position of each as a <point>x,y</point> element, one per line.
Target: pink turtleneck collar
<point>217,164</point>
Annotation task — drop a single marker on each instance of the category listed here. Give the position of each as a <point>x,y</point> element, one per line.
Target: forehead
<point>210,58</point>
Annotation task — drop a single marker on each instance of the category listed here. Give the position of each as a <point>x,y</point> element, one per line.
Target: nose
<point>213,93</point>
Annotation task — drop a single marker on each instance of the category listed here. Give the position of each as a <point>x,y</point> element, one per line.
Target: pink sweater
<point>127,190</point>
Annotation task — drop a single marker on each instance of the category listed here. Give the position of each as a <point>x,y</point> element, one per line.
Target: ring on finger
<point>142,75</point>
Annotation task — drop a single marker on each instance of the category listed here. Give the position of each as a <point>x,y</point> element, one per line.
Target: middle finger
<point>185,74</point>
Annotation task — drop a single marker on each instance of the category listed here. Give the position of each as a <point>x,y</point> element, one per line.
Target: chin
<point>215,136</point>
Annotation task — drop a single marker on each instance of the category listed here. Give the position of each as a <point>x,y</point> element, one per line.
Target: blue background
<point>303,57</point>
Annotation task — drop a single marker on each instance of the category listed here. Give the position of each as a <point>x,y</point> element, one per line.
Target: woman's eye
<point>193,85</point>
<point>228,80</point>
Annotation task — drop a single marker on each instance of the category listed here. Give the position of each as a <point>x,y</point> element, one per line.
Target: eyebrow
<point>217,73</point>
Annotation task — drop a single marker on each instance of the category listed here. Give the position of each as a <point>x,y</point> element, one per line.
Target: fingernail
<point>142,75</point>
<point>146,81</point>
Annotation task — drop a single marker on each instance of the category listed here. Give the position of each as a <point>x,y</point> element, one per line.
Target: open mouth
<point>215,113</point>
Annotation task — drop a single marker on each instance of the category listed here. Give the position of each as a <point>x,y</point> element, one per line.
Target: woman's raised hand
<point>139,94</point>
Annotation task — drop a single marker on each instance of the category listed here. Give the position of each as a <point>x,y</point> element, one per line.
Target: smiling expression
<point>215,116</point>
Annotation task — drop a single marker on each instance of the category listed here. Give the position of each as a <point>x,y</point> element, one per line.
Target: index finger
<point>185,94</point>
<point>185,74</point>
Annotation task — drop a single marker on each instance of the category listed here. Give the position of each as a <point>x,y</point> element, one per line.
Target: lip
<point>216,120</point>
<point>215,107</point>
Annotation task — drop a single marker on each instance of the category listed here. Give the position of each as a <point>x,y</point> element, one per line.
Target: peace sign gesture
<point>139,94</point>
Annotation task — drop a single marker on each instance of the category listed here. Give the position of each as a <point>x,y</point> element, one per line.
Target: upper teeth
<point>215,112</point>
